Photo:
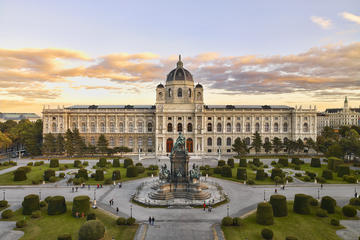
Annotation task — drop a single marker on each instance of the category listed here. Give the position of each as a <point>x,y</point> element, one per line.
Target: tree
<point>102,144</point>
<point>5,141</point>
<point>91,149</point>
<point>267,146</point>
<point>300,145</point>
<point>310,144</point>
<point>69,143</point>
<point>60,144</point>
<point>49,145</point>
<point>335,150</point>
<point>256,143</point>
<point>122,150</point>
<point>79,143</point>
<point>277,144</point>
<point>240,147</point>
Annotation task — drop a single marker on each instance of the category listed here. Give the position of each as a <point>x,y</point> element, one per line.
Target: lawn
<point>36,173</point>
<point>49,227</point>
<point>297,225</point>
<point>2,167</point>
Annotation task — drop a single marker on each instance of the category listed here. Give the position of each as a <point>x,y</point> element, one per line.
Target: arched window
<point>285,140</point>
<point>228,127</point>
<point>121,127</point>
<point>189,92</point>
<point>209,141</point>
<point>198,96</point>
<point>169,144</point>
<point>218,127</point>
<point>257,127</point>
<point>218,141</point>
<point>179,127</point>
<point>83,127</point>
<point>93,127</point>
<point>169,127</point>
<point>209,127</point>
<point>305,127</point>
<point>131,143</point>
<point>121,141</point>
<point>179,92</point>
<point>189,127</point>
<point>112,143</point>
<point>285,127</point>
<point>140,127</point>
<point>131,127</point>
<point>247,141</point>
<point>112,127</point>
<point>170,92</point>
<point>92,141</point>
<point>276,127</point>
<point>228,141</point>
<point>266,127</point>
<point>54,128</point>
<point>149,127</point>
<point>102,127</point>
<point>238,127</point>
<point>247,127</point>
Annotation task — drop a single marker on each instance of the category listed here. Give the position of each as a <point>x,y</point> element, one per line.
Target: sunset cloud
<point>322,22</point>
<point>351,17</point>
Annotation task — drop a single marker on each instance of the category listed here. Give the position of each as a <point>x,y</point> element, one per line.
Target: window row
<point>121,141</point>
<point>179,127</point>
<point>247,127</point>
<point>102,127</point>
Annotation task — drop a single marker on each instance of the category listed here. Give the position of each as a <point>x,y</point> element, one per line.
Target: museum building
<point>179,107</point>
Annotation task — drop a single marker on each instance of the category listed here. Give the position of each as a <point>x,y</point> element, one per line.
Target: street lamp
<point>40,195</point>
<point>227,208</point>
<point>94,194</point>
<point>4,194</point>
<point>264,196</point>
<point>130,210</point>
<point>318,193</point>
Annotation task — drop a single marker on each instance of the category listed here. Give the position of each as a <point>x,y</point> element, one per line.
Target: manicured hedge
<point>226,171</point>
<point>116,162</point>
<point>3,203</point>
<point>241,174</point>
<point>82,173</point>
<point>301,204</point>
<point>276,172</point>
<point>65,236</point>
<point>333,162</point>
<point>116,175</point>
<point>256,162</point>
<point>328,204</point>
<point>128,162</point>
<point>57,205</point>
<point>355,201</point>
<point>349,211</point>
<point>227,221</point>
<point>279,205</point>
<point>267,234</point>
<point>295,161</point>
<point>334,222</point>
<point>99,175</point>
<point>121,221</point>
<point>260,174</point>
<point>19,175</point>
<point>81,204</point>
<point>102,162</point>
<point>92,230</point>
<point>221,163</point>
<point>343,170</point>
<point>284,162</point>
<point>140,169</point>
<point>77,163</point>
<point>230,162</point>
<point>48,174</point>
<point>91,216</point>
<point>54,163</point>
<point>131,171</point>
<point>20,223</point>
<point>242,162</point>
<point>264,214</point>
<point>6,214</point>
<point>315,162</point>
<point>327,174</point>
<point>31,203</point>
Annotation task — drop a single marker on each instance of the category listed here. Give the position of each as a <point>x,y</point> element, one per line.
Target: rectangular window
<point>209,118</point>
<point>219,118</point>
<point>209,150</point>
<point>189,118</point>
<point>179,118</point>
<point>169,118</point>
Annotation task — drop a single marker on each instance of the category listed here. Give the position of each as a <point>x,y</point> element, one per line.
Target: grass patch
<point>2,167</point>
<point>49,227</point>
<point>297,225</point>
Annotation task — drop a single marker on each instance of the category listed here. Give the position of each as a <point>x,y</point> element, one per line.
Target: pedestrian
<point>275,190</point>
<point>356,194</point>
<point>89,186</point>
<point>98,186</point>
<point>76,189</point>
<point>204,205</point>
<point>110,202</point>
<point>72,189</point>
<point>119,185</point>
<point>321,186</point>
<point>117,211</point>
<point>153,220</point>
<point>149,220</point>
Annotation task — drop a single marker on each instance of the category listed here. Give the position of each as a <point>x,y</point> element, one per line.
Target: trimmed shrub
<point>81,204</point>
<point>77,163</point>
<point>242,162</point>
<point>85,163</point>
<point>301,204</point>
<point>230,162</point>
<point>315,162</point>
<point>47,199</point>
<point>227,221</point>
<point>3,203</point>
<point>221,163</point>
<point>101,163</point>
<point>31,203</point>
<point>128,162</point>
<point>333,162</point>
<point>82,173</point>
<point>61,175</point>
<point>108,181</point>
<point>30,164</point>
<point>92,230</point>
<point>289,178</point>
<point>99,175</point>
<point>241,174</point>
<point>349,179</point>
<point>320,180</point>
<point>217,170</point>
<point>121,221</point>
<point>139,164</point>
<point>328,204</point>
<point>311,174</point>
<point>91,216</point>
<point>237,221</point>
<point>334,222</point>
<point>284,162</point>
<point>36,214</point>
<point>321,213</point>
<point>276,172</point>
<point>295,161</point>
<point>226,171</point>
<point>19,175</point>
<point>279,206</point>
<point>116,162</point>
<point>298,174</point>
<point>52,179</point>
<point>48,174</point>
<point>267,234</point>
<point>25,168</point>
<point>54,163</point>
<point>343,170</point>
<point>56,205</point>
<point>327,174</point>
<point>313,202</point>
<point>65,236</point>
<point>355,201</point>
<point>130,221</point>
<point>297,167</point>
<point>307,179</point>
<point>6,214</point>
<point>291,238</point>
<point>264,214</point>
<point>116,175</point>
<point>154,167</point>
<point>260,174</point>
<point>250,182</point>
<point>131,171</point>
<point>21,223</point>
<point>349,211</point>
<point>140,169</point>
<point>256,162</point>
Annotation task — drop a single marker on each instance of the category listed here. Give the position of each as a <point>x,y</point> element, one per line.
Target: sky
<point>60,53</point>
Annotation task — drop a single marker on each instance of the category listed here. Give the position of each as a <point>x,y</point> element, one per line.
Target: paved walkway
<point>351,231</point>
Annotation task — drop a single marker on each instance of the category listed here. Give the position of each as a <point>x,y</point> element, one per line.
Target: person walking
<point>321,186</point>
<point>153,220</point>
<point>150,220</point>
<point>117,211</point>
<point>204,205</point>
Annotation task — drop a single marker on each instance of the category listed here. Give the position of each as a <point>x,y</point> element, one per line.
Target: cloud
<point>322,22</point>
<point>351,17</point>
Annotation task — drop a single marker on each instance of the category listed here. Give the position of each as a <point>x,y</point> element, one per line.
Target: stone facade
<point>180,107</point>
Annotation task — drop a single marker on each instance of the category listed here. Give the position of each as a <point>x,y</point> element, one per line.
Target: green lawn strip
<point>274,156</point>
<point>36,173</point>
<point>49,227</point>
<point>297,225</point>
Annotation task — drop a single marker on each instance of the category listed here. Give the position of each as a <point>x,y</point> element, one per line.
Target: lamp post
<point>318,193</point>
<point>264,196</point>
<point>3,194</point>
<point>40,195</point>
<point>130,210</point>
<point>227,209</point>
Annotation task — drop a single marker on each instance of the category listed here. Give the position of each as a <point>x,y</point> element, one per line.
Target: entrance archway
<point>189,145</point>
<point>169,144</point>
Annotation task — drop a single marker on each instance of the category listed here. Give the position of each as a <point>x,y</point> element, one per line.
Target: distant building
<point>337,117</point>
<point>18,117</point>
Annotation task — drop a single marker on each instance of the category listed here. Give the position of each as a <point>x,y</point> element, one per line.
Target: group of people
<point>151,221</point>
<point>209,207</point>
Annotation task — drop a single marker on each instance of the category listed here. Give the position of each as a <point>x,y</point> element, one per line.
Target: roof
<point>18,116</point>
<point>336,110</point>
<point>179,73</point>
<point>111,107</point>
<point>247,107</point>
